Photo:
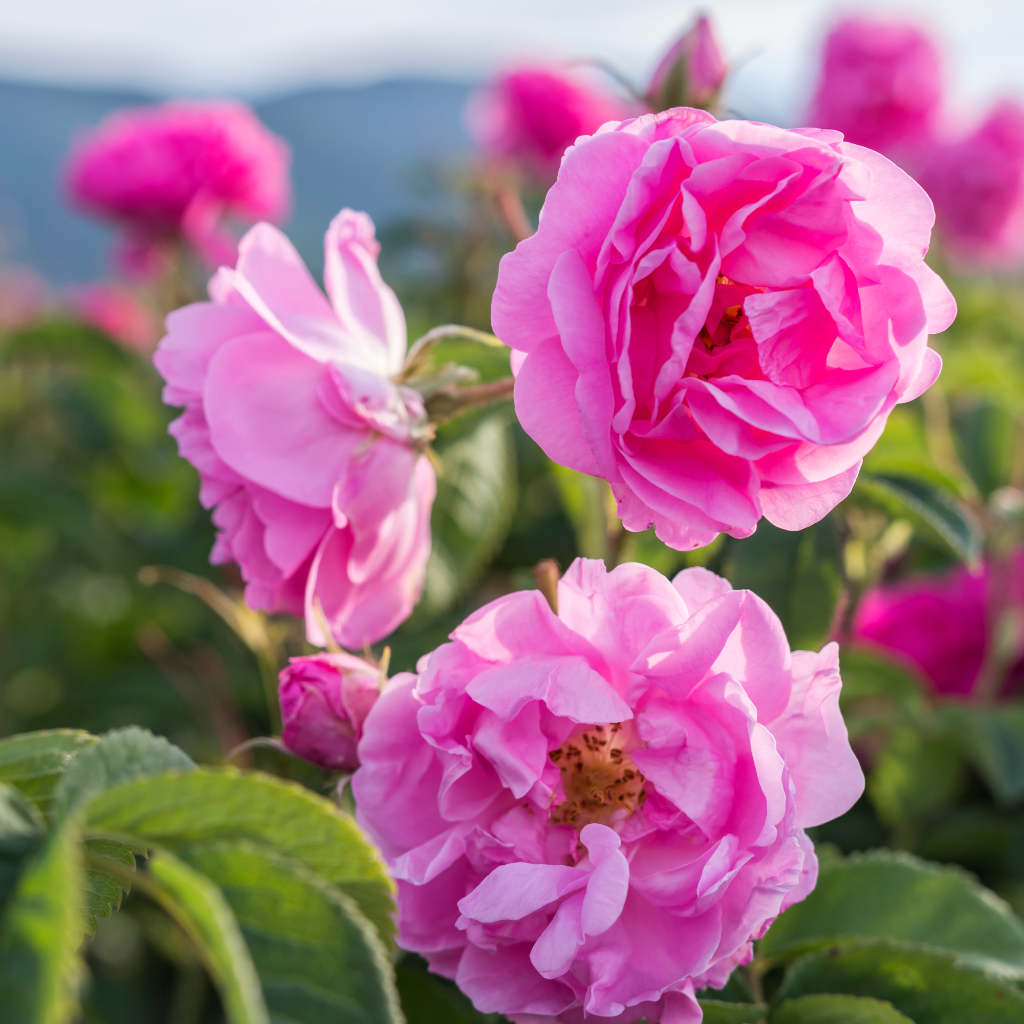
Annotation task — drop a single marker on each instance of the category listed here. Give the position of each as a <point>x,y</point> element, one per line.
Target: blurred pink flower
<point>718,317</point>
<point>880,84</point>
<point>977,185</point>
<point>24,298</point>
<point>941,625</point>
<point>324,700</point>
<point>309,453</point>
<point>529,115</point>
<point>117,311</point>
<point>176,170</point>
<point>691,74</point>
<point>591,814</point>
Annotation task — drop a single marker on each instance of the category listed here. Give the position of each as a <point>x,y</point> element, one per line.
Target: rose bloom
<point>717,318</point>
<point>118,311</point>
<point>692,72</point>
<point>308,452</point>
<point>325,699</point>
<point>977,185</point>
<point>591,814</point>
<point>880,84</point>
<point>174,170</point>
<point>942,626</point>
<point>530,115</point>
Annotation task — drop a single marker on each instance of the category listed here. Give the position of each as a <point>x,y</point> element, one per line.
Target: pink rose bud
<point>692,72</point>
<point>309,452</point>
<point>717,317</point>
<point>880,84</point>
<point>324,700</point>
<point>977,185</point>
<point>529,115</point>
<point>592,814</point>
<point>173,170</point>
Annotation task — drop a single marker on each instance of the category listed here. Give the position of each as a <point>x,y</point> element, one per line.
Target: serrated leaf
<point>105,893</point>
<point>718,1012</point>
<point>429,999</point>
<point>899,898</point>
<point>993,740</point>
<point>41,932</point>
<point>797,573</point>
<point>928,506</point>
<point>183,813</point>
<point>34,762</point>
<point>474,506</point>
<point>316,956</point>
<point>200,908</point>
<point>119,756</point>
<point>931,987</point>
<point>825,1009</point>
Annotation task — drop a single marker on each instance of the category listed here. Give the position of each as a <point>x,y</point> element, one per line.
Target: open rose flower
<point>718,317</point>
<point>309,454</point>
<point>977,185</point>
<point>880,84</point>
<point>591,814</point>
<point>945,627</point>
<point>325,699</point>
<point>692,72</point>
<point>531,114</point>
<point>175,170</point>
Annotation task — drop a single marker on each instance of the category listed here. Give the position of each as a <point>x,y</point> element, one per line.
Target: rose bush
<point>717,318</point>
<point>594,812</point>
<point>309,453</point>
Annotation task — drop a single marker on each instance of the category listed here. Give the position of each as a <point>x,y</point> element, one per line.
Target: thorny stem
<point>446,405</point>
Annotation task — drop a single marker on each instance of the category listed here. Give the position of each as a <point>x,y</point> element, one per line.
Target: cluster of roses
<point>593,802</point>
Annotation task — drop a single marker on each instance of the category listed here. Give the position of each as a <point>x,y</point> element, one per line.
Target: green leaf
<point>105,893</point>
<point>183,813</point>
<point>199,907</point>
<point>584,499</point>
<point>993,740</point>
<point>717,1012</point>
<point>927,506</point>
<point>429,999</point>
<point>984,436</point>
<point>876,691</point>
<point>928,987</point>
<point>797,573</point>
<point>119,756</point>
<point>41,933</point>
<point>475,500</point>
<point>899,898</point>
<point>317,957</point>
<point>837,1010</point>
<point>34,762</point>
<point>21,829</point>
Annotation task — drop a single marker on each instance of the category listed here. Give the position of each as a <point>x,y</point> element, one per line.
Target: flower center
<point>599,778</point>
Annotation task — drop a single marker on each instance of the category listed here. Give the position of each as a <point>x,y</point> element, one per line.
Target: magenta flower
<point>717,318</point>
<point>529,115</point>
<point>880,84</point>
<point>592,814</point>
<point>309,453</point>
<point>325,699</point>
<point>117,311</point>
<point>977,185</point>
<point>943,626</point>
<point>692,72</point>
<point>175,170</point>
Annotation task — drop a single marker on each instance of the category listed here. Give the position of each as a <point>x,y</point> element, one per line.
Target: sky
<point>257,47</point>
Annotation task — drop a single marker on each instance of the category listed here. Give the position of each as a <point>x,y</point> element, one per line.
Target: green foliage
<point>35,762</point>
<point>992,739</point>
<point>837,1010</point>
<point>429,999</point>
<point>717,1012</point>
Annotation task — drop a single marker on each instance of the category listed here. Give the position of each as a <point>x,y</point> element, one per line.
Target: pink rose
<point>531,114</point>
<point>942,626</point>
<point>692,72</point>
<point>117,311</point>
<point>880,84</point>
<point>977,185</point>
<point>592,814</point>
<point>174,170</point>
<point>325,699</point>
<point>717,318</point>
<point>309,453</point>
